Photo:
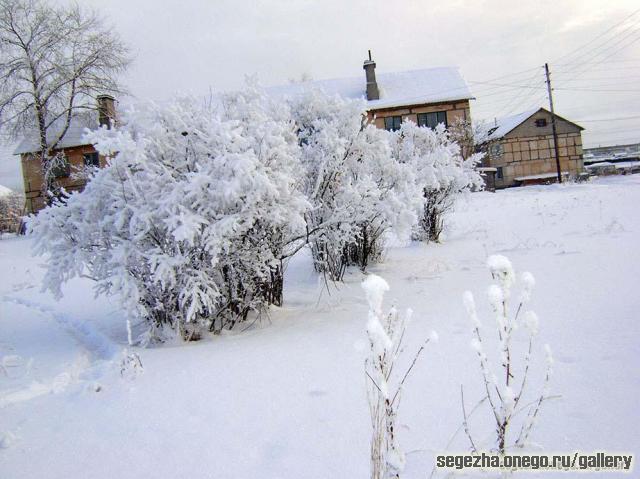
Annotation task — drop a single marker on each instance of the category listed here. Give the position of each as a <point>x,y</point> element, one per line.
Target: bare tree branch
<point>54,61</point>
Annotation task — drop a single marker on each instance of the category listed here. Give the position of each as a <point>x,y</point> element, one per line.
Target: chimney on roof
<point>372,85</point>
<point>106,110</point>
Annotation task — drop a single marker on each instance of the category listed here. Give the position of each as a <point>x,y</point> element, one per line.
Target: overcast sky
<point>190,46</point>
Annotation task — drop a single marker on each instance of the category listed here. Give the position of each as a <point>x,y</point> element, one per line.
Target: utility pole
<point>553,123</point>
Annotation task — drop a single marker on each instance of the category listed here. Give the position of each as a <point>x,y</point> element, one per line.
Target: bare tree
<point>470,136</point>
<point>54,61</point>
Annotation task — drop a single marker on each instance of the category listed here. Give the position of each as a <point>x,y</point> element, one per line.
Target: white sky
<point>191,46</point>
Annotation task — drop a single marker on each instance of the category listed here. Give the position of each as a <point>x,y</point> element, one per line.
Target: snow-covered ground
<point>287,398</point>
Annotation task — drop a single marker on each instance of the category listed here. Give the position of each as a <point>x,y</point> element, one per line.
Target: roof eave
<point>414,103</point>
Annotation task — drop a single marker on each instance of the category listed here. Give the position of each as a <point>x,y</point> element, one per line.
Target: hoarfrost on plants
<point>506,385</point>
<point>441,173</point>
<point>358,191</point>
<point>190,220</point>
<point>385,333</point>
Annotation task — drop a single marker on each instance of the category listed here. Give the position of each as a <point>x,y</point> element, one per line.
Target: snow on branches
<point>506,386</point>
<point>189,221</point>
<point>357,189</point>
<point>386,333</point>
<point>441,173</point>
<point>200,205</point>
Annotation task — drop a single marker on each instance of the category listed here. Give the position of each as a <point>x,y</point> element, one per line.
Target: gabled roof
<point>397,89</point>
<point>509,123</point>
<point>74,136</point>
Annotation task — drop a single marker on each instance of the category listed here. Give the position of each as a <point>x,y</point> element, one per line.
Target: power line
<point>597,89</point>
<point>598,51</point>
<point>507,85</point>
<point>598,62</point>
<point>520,97</point>
<point>510,74</point>
<point>632,79</point>
<point>611,119</point>
<point>607,70</point>
<point>557,60</point>
<point>628,60</point>
<point>616,130</point>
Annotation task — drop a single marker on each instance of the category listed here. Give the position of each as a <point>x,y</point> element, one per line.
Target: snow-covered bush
<point>356,188</point>
<point>189,222</point>
<point>441,172</point>
<point>506,385</point>
<point>385,333</point>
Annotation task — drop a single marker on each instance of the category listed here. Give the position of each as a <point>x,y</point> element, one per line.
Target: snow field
<point>287,397</point>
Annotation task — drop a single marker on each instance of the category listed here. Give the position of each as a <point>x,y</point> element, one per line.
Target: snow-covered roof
<point>397,89</point>
<point>73,137</point>
<point>508,123</point>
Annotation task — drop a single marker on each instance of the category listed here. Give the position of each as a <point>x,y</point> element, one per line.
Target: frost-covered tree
<point>189,222</point>
<point>441,172</point>
<point>356,188</point>
<point>54,61</point>
<point>506,385</point>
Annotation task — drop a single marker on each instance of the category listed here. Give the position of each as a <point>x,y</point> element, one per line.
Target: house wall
<point>535,155</point>
<point>529,150</point>
<point>33,175</point>
<point>455,110</point>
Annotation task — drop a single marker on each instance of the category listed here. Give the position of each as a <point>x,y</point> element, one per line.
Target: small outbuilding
<point>77,153</point>
<point>522,150</point>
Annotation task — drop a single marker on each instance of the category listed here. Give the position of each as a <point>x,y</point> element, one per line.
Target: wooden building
<point>522,150</point>
<point>77,155</point>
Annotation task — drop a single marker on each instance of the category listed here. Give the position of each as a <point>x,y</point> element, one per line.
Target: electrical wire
<point>557,60</point>
<point>611,119</point>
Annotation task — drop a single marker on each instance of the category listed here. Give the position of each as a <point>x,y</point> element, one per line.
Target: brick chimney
<point>106,110</point>
<point>372,85</point>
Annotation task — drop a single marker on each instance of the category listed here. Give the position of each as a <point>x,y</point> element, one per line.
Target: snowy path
<point>93,356</point>
<point>93,341</point>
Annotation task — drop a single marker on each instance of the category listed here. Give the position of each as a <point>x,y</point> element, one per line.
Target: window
<point>495,150</point>
<point>60,167</point>
<point>91,159</point>
<point>392,123</point>
<point>541,122</point>
<point>499,173</point>
<point>431,120</point>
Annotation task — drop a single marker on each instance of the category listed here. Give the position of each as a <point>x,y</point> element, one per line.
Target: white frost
<point>374,288</point>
